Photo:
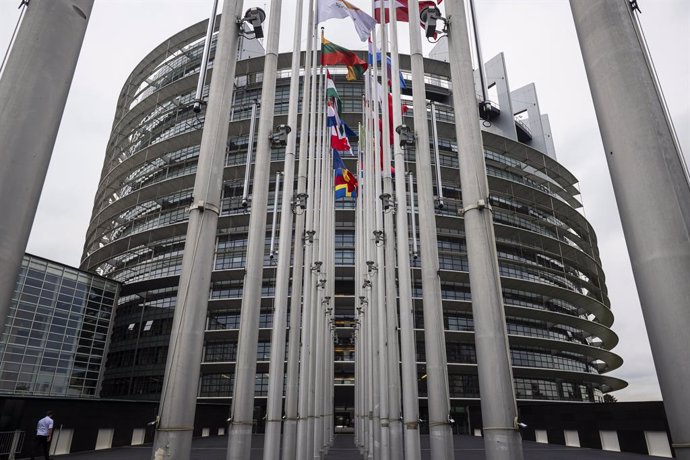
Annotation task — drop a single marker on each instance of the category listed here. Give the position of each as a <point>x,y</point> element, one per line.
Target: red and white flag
<point>401,10</point>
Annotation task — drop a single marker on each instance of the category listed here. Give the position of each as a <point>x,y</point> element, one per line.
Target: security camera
<point>406,135</point>
<point>255,17</point>
<point>387,201</point>
<point>280,135</point>
<point>429,16</point>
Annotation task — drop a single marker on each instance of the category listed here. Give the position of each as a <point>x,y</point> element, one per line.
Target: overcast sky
<point>540,46</point>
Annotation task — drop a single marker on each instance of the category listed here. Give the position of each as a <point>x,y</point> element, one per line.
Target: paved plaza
<point>466,448</point>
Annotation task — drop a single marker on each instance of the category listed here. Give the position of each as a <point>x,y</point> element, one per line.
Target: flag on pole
<point>345,182</point>
<point>332,93</point>
<point>339,140</point>
<point>332,54</point>
<point>402,13</point>
<point>370,58</point>
<point>339,130</point>
<point>329,9</point>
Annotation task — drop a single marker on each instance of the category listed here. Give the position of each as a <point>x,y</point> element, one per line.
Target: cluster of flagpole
<point>386,394</point>
<point>385,364</point>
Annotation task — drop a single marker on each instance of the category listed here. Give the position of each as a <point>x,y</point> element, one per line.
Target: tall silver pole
<point>250,151</point>
<point>441,439</point>
<point>408,355</point>
<point>499,409</point>
<point>198,96</point>
<point>651,187</point>
<point>178,397</point>
<point>320,215</point>
<point>372,342</point>
<point>413,219</point>
<point>478,49</point>
<point>272,247</point>
<point>240,437</point>
<point>33,91</point>
<point>303,445</point>
<point>361,353</point>
<point>437,156</point>
<point>317,265</point>
<point>330,327</point>
<point>322,389</point>
<point>292,203</point>
<point>388,268</point>
<point>378,236</point>
<point>358,293</point>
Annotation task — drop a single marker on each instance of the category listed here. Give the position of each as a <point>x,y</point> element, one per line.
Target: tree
<point>610,398</point>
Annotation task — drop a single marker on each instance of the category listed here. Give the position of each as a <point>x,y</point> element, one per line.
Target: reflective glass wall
<point>57,331</point>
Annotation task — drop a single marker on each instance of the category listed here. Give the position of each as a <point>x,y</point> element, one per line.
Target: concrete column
<point>33,92</point>
<point>652,191</point>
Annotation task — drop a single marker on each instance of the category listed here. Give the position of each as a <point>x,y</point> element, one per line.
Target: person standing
<point>44,433</point>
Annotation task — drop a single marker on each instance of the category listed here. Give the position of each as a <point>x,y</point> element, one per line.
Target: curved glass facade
<point>557,310</point>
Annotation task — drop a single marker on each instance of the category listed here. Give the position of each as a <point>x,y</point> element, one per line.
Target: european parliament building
<point>557,309</point>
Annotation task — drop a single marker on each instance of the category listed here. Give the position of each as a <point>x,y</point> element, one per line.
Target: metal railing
<point>11,443</point>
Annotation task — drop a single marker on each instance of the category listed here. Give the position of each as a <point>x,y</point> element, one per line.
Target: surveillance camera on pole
<point>406,135</point>
<point>280,135</point>
<point>255,17</point>
<point>429,16</point>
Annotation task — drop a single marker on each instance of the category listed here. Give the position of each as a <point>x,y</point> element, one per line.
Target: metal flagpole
<point>478,48</point>
<point>250,152</point>
<point>303,428</point>
<point>178,397</point>
<point>316,267</point>
<point>300,206</point>
<point>320,250</point>
<point>198,95</point>
<point>363,350</point>
<point>499,410</point>
<point>437,156</point>
<point>388,243</point>
<point>357,333</point>
<point>380,283</point>
<point>408,355</point>
<point>272,246</point>
<point>303,445</point>
<point>289,206</point>
<point>441,439</point>
<point>33,91</point>
<point>330,323</point>
<point>639,140</point>
<point>358,293</point>
<point>413,221</point>
<point>330,329</point>
<point>240,437</point>
<point>369,209</point>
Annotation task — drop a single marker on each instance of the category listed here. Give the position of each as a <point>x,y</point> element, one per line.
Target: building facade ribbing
<point>557,310</point>
<point>56,337</point>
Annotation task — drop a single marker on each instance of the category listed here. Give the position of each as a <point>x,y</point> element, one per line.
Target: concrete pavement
<point>466,448</point>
